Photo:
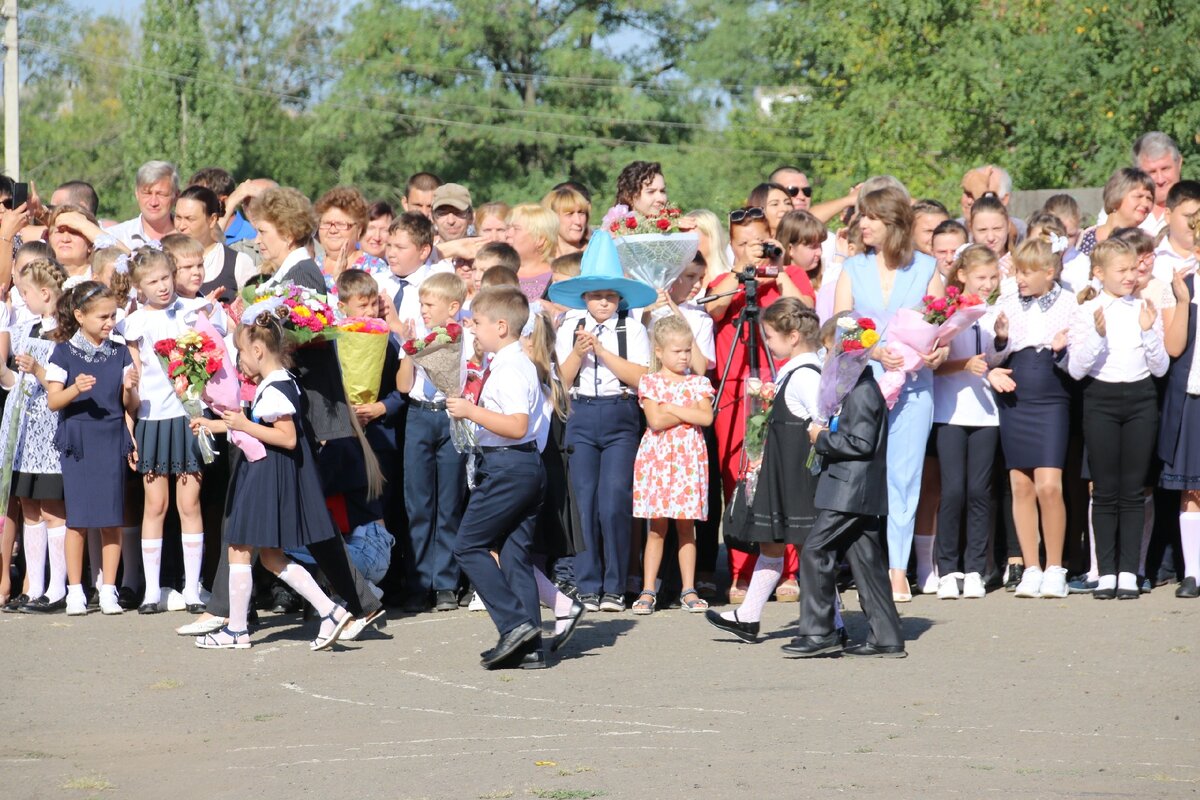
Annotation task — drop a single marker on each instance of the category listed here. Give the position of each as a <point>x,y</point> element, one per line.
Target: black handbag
<point>735,524</point>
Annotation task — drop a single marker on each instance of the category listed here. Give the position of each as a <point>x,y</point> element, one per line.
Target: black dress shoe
<point>1105,594</point>
<point>1128,594</point>
<point>42,605</point>
<point>285,601</point>
<point>812,646</point>
<point>446,601</point>
<point>1015,573</point>
<point>1187,588</point>
<point>843,637</point>
<point>149,608</point>
<point>128,599</point>
<point>528,656</point>
<point>93,598</point>
<point>574,615</point>
<point>510,644</point>
<point>14,605</point>
<point>195,608</point>
<point>869,650</point>
<point>746,631</point>
<point>415,604</point>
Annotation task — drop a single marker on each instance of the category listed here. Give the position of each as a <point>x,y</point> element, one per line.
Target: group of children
<point>600,433</point>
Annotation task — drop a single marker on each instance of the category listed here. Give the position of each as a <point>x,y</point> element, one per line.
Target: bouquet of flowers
<point>361,349</point>
<point>305,315</point>
<point>223,392</point>
<point>651,249</point>
<point>440,355</point>
<point>190,360</point>
<point>914,333</point>
<point>760,396</point>
<point>851,351</point>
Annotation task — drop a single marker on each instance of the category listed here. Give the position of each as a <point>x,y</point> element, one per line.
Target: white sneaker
<point>76,607</point>
<point>932,585</point>
<point>973,587</point>
<point>109,604</point>
<point>172,600</point>
<point>1054,582</point>
<point>476,603</point>
<point>947,588</point>
<point>1031,583</point>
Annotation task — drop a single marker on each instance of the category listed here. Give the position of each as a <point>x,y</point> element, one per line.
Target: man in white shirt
<point>155,187</point>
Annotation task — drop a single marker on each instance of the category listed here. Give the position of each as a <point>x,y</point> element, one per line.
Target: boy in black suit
<point>851,505</point>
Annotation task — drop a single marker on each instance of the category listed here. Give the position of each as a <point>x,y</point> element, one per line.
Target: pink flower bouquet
<point>223,393</point>
<point>915,333</point>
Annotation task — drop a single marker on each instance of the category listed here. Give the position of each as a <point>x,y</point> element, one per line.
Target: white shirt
<point>131,233</point>
<point>963,398</point>
<point>409,308</point>
<point>512,388</point>
<point>1029,325</point>
<point>595,379</point>
<point>1126,353</point>
<point>214,262</point>
<point>143,328</point>
<point>423,388</point>
<point>700,323</point>
<point>1167,262</point>
<point>802,389</point>
<point>269,403</point>
<point>1076,273</point>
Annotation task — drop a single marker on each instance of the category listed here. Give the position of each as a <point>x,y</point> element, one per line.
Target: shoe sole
<point>901,654</point>
<point>748,638</point>
<point>611,609</point>
<point>185,631</point>
<point>325,644</point>
<point>831,650</point>
<point>230,646</point>
<point>490,663</point>
<point>561,640</point>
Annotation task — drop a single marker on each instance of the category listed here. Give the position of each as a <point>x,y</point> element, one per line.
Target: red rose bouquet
<point>914,333</point>
<point>190,360</point>
<point>440,354</point>
<point>652,249</point>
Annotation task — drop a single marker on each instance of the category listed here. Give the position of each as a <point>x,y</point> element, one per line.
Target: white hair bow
<point>1058,244</point>
<point>535,308</point>
<point>73,281</point>
<point>958,251</point>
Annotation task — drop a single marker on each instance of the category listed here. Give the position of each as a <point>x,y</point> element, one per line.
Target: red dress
<point>730,420</point>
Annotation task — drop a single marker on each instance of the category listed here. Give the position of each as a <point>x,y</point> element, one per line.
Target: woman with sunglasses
<point>749,238</point>
<point>889,276</point>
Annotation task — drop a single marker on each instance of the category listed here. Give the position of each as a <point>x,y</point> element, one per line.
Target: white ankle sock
<point>1189,540</point>
<point>298,578</point>
<point>549,594</point>
<point>923,547</point>
<point>56,547</point>
<point>1147,533</point>
<point>131,557</point>
<point>767,572</point>
<point>35,558</point>
<point>193,556</point>
<point>241,583</point>
<point>1106,582</point>
<point>151,561</point>
<point>1127,581</point>
<point>95,549</point>
<point>75,596</point>
<point>1094,565</point>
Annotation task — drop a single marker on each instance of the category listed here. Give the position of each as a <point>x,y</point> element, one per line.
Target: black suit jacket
<point>854,457</point>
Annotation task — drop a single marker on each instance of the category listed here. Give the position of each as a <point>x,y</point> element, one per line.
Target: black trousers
<point>1120,425</point>
<point>836,534</point>
<point>966,455</point>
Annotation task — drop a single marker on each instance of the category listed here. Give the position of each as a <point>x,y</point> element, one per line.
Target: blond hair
<point>1103,257</point>
<point>445,285</point>
<point>1035,255</point>
<point>663,332</point>
<point>44,273</point>
<point>182,246</point>
<point>715,260</point>
<point>541,353</point>
<point>540,222</point>
<point>972,257</point>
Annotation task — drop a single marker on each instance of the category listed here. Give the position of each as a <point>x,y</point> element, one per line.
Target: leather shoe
<point>510,644</point>
<point>128,599</point>
<point>574,615</point>
<point>528,656</point>
<point>149,608</point>
<point>1187,588</point>
<point>871,650</point>
<point>14,605</point>
<point>446,601</point>
<point>415,604</point>
<point>746,631</point>
<point>42,605</point>
<point>812,646</point>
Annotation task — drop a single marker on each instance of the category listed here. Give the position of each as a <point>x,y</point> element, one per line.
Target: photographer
<point>758,267</point>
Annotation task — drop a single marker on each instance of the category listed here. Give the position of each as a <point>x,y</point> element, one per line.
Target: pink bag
<point>223,392</point>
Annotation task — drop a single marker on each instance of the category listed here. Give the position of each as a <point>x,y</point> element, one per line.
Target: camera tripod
<point>749,320</point>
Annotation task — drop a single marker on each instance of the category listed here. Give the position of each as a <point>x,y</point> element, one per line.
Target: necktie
<point>596,364</point>
<point>399,296</point>
<point>978,339</point>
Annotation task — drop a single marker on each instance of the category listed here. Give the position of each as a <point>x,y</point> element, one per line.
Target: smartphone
<point>20,195</point>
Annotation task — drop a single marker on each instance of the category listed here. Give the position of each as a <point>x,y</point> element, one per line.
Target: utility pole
<point>12,87</point>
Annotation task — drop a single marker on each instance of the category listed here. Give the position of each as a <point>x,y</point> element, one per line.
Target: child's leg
<point>614,494</point>
<point>56,533</point>
<point>980,456</point>
<point>131,557</point>
<point>303,583</point>
<point>1025,514</point>
<point>1048,483</point>
<point>584,473</point>
<point>1139,429</point>
<point>155,511</point>
<point>1147,530</point>
<point>654,552</point>
<point>926,526</point>
<point>1189,533</point>
<point>76,541</point>
<point>560,603</point>
<point>767,570</point>
<point>451,502</point>
<point>241,585</point>
<point>191,525</point>
<point>953,454</point>
<point>110,562</point>
<point>94,557</point>
<point>35,548</point>
<point>685,530</point>
<point>8,540</point>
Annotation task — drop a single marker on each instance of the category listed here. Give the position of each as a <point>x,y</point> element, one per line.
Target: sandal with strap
<point>339,625</point>
<point>696,606</point>
<point>643,607</point>
<point>238,640</point>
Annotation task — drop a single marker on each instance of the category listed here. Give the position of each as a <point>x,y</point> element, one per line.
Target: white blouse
<point>1126,353</point>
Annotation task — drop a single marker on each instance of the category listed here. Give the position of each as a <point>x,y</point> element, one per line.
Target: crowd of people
<point>1047,449</point>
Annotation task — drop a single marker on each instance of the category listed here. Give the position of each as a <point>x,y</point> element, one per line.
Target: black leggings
<point>1120,425</point>
<point>966,455</point>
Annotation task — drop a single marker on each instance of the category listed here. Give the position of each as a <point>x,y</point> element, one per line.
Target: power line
<point>432,120</point>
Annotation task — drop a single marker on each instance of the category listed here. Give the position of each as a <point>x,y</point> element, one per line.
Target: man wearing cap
<point>452,214</point>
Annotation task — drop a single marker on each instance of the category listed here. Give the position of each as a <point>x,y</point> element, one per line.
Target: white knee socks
<point>298,578</point>
<point>193,555</point>
<point>35,558</point>
<point>767,572</point>
<point>241,583</point>
<point>923,547</point>
<point>549,594</point>
<point>56,546</point>
<point>1189,538</point>
<point>151,561</point>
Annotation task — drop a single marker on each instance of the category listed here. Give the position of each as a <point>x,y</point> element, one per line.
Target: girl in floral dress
<point>670,474</point>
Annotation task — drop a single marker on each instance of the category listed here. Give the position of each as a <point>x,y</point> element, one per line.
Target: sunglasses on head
<point>795,190</point>
<point>745,215</point>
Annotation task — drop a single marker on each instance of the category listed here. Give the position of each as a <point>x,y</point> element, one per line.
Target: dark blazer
<point>307,274</point>
<point>854,457</point>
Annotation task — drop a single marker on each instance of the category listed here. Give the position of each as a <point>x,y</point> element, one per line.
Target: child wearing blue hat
<point>602,354</point>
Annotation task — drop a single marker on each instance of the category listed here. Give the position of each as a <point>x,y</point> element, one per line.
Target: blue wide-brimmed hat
<point>601,271</point>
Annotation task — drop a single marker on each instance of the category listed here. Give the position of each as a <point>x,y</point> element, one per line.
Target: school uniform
<point>1167,261</point>
<point>1120,420</point>
<point>603,433</point>
<point>504,506</point>
<point>222,266</point>
<point>405,289</point>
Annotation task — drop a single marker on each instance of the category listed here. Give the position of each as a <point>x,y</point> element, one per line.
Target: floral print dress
<point>670,475</point>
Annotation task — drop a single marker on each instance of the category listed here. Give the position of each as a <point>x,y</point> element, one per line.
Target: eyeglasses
<point>795,190</point>
<point>336,227</point>
<point>745,215</point>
